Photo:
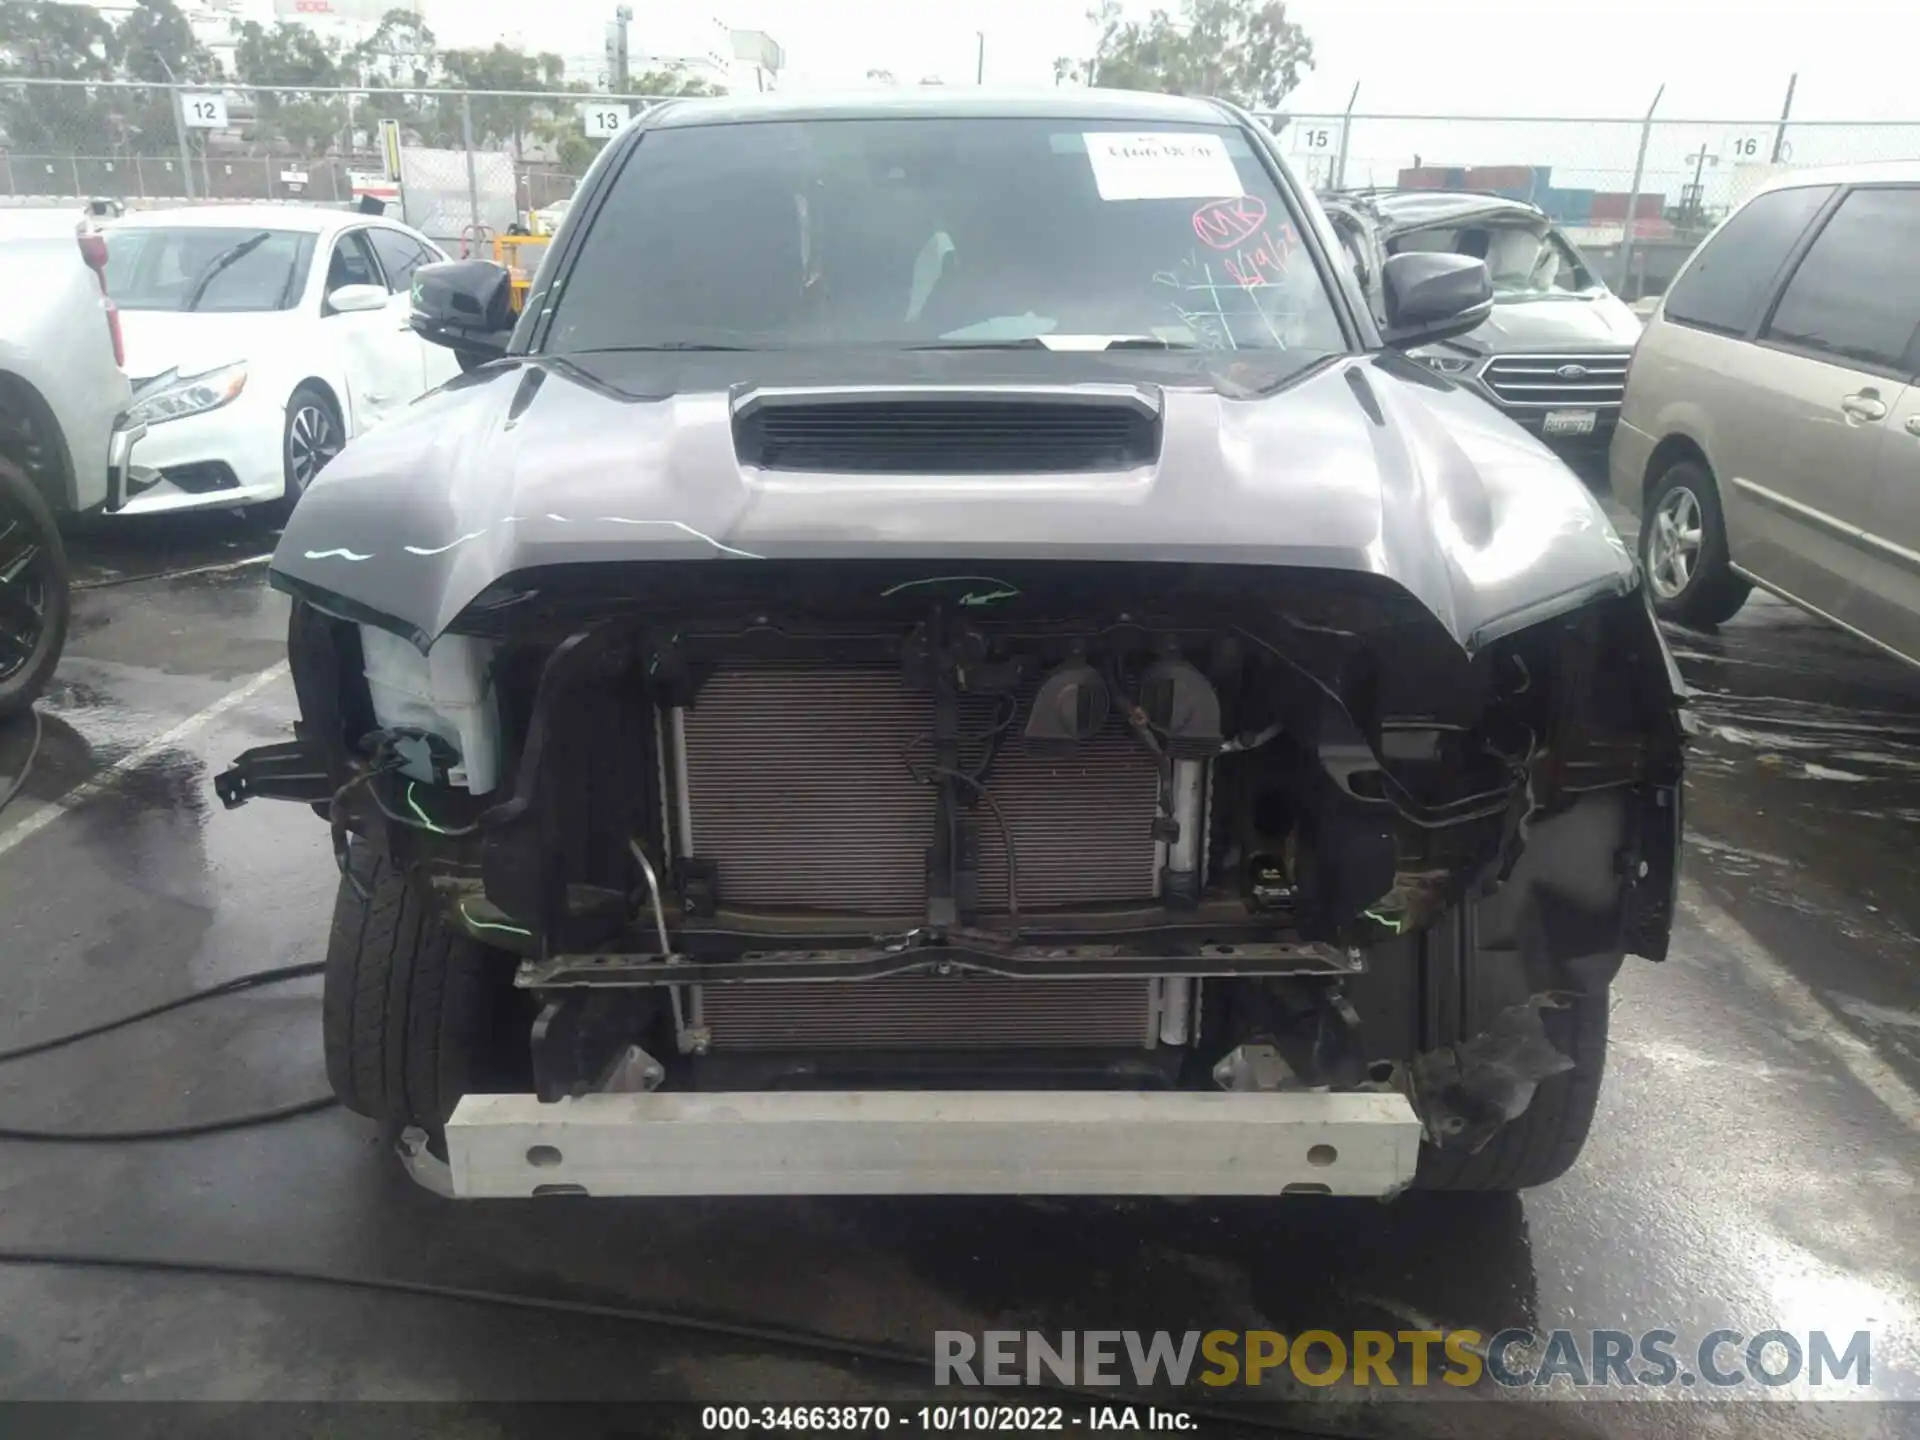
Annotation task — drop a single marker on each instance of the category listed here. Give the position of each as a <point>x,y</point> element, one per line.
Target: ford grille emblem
<point>1571,372</point>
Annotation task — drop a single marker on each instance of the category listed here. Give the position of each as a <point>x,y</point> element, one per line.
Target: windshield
<point>1525,261</point>
<point>944,232</point>
<point>206,268</point>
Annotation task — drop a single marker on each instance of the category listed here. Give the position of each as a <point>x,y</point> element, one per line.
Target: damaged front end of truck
<point>889,828</point>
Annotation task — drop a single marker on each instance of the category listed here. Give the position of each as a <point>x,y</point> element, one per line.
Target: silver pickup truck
<point>63,436</point>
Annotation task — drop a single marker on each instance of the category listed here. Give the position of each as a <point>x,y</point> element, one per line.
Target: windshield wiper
<point>1036,342</point>
<point>1025,342</point>
<point>667,347</point>
<point>219,263</point>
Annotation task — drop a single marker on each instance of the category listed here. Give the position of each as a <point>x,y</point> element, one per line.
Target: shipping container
<point>1612,205</point>
<point>1520,181</point>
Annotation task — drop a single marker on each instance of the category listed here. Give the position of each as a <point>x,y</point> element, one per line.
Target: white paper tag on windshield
<point>1161,167</point>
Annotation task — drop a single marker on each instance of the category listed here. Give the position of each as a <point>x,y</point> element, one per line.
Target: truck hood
<point>195,342</point>
<point>1353,464</point>
<point>1599,323</point>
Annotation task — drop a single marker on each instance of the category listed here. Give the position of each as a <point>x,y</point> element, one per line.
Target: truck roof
<point>1410,209</point>
<point>936,102</point>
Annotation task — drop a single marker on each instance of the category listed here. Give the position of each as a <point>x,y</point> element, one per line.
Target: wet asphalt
<point>1753,1167</point>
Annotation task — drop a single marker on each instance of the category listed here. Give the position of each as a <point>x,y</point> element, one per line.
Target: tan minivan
<point>1771,430</point>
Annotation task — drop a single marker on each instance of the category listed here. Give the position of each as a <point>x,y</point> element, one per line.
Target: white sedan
<point>260,339</point>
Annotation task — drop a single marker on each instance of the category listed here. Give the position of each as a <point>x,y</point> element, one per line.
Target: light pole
<point>1695,206</point>
<point>179,122</point>
<point>980,58</point>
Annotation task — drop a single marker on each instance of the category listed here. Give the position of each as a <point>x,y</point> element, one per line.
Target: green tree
<point>401,56</point>
<point>573,152</point>
<point>291,57</point>
<point>500,119</point>
<point>1242,50</point>
<point>675,80</point>
<point>59,42</point>
<point>160,47</point>
<point>401,52</point>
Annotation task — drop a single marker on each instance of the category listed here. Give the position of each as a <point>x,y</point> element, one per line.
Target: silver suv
<point>1771,432</point>
<point>1552,356</point>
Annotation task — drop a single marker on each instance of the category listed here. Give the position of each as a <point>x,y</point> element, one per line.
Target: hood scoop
<point>949,430</point>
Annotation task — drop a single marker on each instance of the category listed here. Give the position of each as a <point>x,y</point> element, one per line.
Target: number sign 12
<point>204,111</point>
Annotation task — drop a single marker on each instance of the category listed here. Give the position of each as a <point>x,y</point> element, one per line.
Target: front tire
<point>411,1007</point>
<point>1683,549</point>
<point>313,436</point>
<point>1543,1141</point>
<point>35,593</point>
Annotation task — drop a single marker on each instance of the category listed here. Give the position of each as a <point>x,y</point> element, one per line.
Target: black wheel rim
<point>313,439</point>
<point>25,574</point>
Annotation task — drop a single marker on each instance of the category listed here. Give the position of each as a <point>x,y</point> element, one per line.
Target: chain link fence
<point>487,157</point>
<point>1636,193</point>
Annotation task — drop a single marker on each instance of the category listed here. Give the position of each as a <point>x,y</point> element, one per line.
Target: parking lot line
<point>40,819</point>
<point>1802,1006</point>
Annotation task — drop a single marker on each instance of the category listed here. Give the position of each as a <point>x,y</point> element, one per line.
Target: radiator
<point>957,1012</point>
<point>799,792</point>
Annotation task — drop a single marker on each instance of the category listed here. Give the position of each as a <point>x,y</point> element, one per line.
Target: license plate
<point>1568,422</point>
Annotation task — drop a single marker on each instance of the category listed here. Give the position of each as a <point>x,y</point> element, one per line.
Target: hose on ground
<point>19,782</point>
<point>810,1342</point>
<point>219,1126</point>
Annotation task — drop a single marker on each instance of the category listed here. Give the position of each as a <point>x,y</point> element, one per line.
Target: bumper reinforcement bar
<point>931,1142</point>
<point>1058,962</point>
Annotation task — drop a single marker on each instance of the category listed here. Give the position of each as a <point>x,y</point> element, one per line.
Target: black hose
<point>807,1342</point>
<point>180,1002</point>
<point>168,1132</point>
<point>221,567</point>
<point>242,1121</point>
<point>1006,839</point>
<point>18,783</point>
<point>665,1319</point>
<point>926,774</point>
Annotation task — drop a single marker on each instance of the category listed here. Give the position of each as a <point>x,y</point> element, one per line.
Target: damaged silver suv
<point>945,651</point>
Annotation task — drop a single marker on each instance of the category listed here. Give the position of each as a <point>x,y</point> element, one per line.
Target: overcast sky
<point>1724,59</point>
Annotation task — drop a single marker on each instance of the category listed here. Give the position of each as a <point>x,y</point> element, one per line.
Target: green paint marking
<point>987,597</point>
<point>425,819</point>
<point>1396,926</point>
<point>467,916</point>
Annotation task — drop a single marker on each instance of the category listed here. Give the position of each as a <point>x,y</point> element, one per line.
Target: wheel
<point>1544,1140</point>
<point>412,1008</point>
<point>314,435</point>
<point>1683,549</point>
<point>35,593</point>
